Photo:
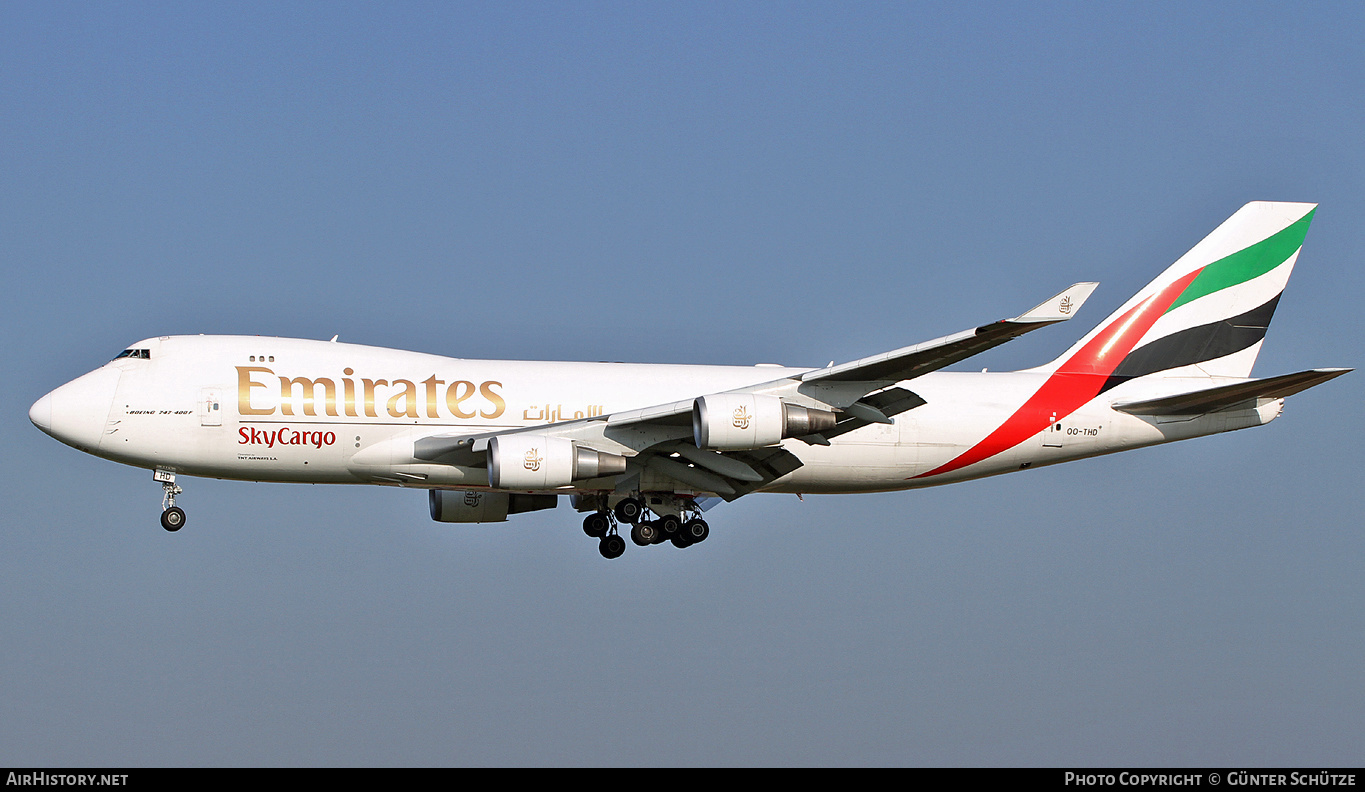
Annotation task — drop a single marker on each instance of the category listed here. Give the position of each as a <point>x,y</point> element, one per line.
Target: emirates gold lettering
<point>431,383</point>
<point>370,386</point>
<point>409,399</point>
<point>554,413</point>
<point>349,392</point>
<point>459,391</point>
<point>494,398</point>
<point>332,397</point>
<point>244,385</point>
<point>329,392</point>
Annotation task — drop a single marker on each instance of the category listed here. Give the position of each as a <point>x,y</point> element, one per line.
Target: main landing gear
<point>600,526</point>
<point>677,521</point>
<point>172,516</point>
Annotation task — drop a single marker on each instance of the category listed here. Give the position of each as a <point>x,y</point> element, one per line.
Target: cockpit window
<point>145,354</point>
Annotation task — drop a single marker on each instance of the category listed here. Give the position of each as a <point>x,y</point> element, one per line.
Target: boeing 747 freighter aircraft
<point>650,445</point>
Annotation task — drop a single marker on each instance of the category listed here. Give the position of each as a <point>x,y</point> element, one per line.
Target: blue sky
<point>704,183</point>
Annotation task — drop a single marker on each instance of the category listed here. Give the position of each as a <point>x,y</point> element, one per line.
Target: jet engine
<point>537,461</point>
<point>736,421</point>
<point>474,506</point>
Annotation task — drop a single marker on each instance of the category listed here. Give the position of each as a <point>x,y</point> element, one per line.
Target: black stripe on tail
<point>1195,345</point>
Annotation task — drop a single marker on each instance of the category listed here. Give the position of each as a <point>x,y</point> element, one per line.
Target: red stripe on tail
<point>1076,381</point>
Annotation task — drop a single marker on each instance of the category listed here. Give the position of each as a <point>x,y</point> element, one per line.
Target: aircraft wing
<point>658,440</point>
<point>912,361</point>
<point>844,385</point>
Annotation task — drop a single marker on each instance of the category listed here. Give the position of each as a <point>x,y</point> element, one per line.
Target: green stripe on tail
<point>1247,263</point>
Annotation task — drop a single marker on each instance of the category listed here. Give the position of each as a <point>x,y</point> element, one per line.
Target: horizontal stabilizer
<point>1221,398</point>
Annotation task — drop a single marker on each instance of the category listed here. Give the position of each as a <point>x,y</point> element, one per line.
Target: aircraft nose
<point>76,412</point>
<point>41,413</point>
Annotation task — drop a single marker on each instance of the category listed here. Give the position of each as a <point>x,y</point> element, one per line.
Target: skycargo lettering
<point>284,436</point>
<point>398,398</point>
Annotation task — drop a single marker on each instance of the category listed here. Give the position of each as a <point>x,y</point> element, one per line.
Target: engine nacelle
<point>474,506</point>
<point>537,461</point>
<point>736,421</point>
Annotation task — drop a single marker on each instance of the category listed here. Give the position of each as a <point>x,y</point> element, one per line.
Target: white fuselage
<point>278,409</point>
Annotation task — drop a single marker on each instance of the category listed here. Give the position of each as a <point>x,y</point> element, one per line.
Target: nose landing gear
<point>172,516</point>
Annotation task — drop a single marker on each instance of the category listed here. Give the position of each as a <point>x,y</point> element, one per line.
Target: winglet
<point>1061,307</point>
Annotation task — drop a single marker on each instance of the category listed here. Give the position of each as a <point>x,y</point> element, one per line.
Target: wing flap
<point>771,463</point>
<point>887,404</point>
<point>730,475</point>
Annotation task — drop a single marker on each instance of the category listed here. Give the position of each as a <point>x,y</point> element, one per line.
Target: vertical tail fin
<point>1207,314</point>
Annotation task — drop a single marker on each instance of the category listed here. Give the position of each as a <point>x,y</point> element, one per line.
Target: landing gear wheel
<point>696,531</point>
<point>173,519</point>
<point>612,546</point>
<point>644,533</point>
<point>629,510</point>
<point>596,524</point>
<point>680,540</point>
<point>669,524</point>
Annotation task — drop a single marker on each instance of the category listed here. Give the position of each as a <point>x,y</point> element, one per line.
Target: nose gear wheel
<point>172,516</point>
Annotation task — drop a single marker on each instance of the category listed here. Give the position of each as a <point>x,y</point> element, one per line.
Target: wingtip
<point>1061,306</point>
